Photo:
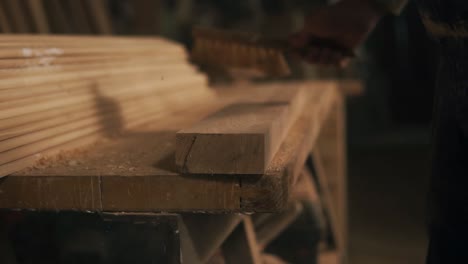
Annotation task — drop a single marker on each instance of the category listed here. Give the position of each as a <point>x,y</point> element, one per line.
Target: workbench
<point>133,175</point>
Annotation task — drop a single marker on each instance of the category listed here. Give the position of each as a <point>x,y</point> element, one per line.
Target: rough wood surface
<point>136,171</point>
<point>240,138</point>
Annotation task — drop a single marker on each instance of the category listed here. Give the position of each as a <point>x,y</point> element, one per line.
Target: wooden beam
<point>239,139</point>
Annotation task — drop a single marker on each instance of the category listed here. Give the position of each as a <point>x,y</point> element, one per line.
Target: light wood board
<point>240,138</point>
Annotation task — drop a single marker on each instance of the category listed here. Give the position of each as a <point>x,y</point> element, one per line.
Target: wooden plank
<point>208,232</point>
<point>97,108</point>
<point>34,193</point>
<point>20,93</point>
<point>65,74</point>
<point>16,108</point>
<point>39,17</point>
<point>241,246</point>
<point>239,139</point>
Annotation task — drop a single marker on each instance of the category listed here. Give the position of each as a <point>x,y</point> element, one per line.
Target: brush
<point>242,50</point>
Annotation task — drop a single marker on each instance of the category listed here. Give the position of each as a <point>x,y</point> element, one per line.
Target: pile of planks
<point>60,92</point>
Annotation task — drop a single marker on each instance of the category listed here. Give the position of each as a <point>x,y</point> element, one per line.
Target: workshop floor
<point>387,202</point>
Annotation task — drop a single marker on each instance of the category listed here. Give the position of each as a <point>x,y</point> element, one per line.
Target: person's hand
<point>345,24</point>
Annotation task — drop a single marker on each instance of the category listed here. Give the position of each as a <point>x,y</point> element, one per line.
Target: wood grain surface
<point>136,171</point>
<point>240,138</point>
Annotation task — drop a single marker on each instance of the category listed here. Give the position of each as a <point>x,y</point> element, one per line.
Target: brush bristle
<point>225,51</point>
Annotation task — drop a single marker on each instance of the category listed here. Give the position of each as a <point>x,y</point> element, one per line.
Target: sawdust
<point>63,158</point>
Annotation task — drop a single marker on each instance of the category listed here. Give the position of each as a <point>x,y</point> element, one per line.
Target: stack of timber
<point>58,93</point>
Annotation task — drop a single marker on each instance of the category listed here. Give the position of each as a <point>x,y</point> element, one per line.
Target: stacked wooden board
<point>57,93</point>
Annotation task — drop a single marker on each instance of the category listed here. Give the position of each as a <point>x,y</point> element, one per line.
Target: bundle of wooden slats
<point>59,92</point>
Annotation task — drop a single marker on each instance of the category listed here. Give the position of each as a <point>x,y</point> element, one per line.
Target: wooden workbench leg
<point>188,253</point>
<point>208,232</point>
<point>269,226</point>
<point>241,246</point>
<point>329,156</point>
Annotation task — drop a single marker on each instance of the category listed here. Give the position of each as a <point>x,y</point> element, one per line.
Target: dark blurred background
<point>388,124</point>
